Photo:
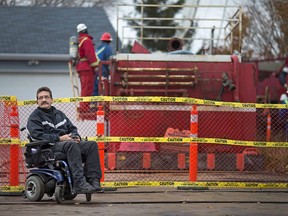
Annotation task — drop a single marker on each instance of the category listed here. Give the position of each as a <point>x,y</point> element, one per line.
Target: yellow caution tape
<point>9,141</point>
<point>12,188</point>
<point>159,99</point>
<point>181,140</point>
<point>171,139</point>
<point>123,184</point>
<point>8,98</point>
<point>26,103</point>
<point>174,140</point>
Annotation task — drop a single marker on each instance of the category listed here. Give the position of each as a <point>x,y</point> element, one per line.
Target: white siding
<point>24,86</point>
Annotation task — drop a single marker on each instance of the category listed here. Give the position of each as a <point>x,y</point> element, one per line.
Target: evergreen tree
<point>161,35</point>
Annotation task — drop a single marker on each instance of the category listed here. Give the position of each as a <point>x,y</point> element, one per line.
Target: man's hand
<point>68,137</point>
<point>96,70</point>
<point>75,138</point>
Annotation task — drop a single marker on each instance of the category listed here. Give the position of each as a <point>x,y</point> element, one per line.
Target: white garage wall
<point>24,86</point>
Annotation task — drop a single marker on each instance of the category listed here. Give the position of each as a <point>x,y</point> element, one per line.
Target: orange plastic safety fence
<point>170,161</point>
<point>12,166</point>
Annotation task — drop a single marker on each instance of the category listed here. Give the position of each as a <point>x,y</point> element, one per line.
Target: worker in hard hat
<point>283,116</point>
<point>103,52</point>
<point>86,64</point>
<point>283,98</point>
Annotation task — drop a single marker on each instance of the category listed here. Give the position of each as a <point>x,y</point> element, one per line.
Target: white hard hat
<point>283,97</point>
<point>81,27</point>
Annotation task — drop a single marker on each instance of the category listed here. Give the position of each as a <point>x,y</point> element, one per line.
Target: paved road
<point>156,201</point>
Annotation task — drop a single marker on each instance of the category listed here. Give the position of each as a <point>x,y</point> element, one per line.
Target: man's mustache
<point>44,102</point>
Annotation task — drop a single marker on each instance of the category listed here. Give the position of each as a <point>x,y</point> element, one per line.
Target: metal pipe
<point>156,69</point>
<point>212,40</point>
<point>124,84</point>
<point>128,76</point>
<point>131,91</point>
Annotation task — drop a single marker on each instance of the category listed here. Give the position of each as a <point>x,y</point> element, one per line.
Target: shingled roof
<point>46,30</point>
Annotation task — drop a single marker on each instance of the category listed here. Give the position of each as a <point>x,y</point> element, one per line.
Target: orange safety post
<point>100,133</point>
<point>181,161</point>
<point>14,148</point>
<point>268,132</point>
<point>210,161</point>
<point>240,161</point>
<point>193,161</point>
<point>146,160</point>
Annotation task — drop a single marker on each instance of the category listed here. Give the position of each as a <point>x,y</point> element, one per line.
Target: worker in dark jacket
<point>283,116</point>
<point>86,64</point>
<point>48,123</point>
<point>103,53</point>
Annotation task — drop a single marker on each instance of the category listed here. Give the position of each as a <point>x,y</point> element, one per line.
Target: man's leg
<point>95,89</point>
<point>90,155</point>
<point>73,152</point>
<point>87,86</point>
<point>93,105</point>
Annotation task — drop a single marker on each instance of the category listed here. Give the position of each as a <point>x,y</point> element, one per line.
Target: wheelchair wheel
<point>69,196</point>
<point>59,193</point>
<point>88,197</point>
<point>34,188</point>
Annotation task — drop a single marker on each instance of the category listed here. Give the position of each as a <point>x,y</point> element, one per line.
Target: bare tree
<point>266,35</point>
<point>56,3</point>
<point>7,2</point>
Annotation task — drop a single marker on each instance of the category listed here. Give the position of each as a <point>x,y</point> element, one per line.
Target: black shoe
<point>84,187</point>
<point>96,185</point>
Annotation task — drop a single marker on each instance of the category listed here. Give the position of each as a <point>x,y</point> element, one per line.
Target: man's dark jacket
<point>49,124</point>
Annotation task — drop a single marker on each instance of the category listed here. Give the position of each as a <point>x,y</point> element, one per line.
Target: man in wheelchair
<point>46,123</point>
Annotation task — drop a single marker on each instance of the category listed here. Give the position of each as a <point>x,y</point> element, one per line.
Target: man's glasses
<point>43,97</point>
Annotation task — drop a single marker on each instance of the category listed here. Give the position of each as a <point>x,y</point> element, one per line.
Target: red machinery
<point>211,77</point>
<point>272,79</point>
<point>179,74</point>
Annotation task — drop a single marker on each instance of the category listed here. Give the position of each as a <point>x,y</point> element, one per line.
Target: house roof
<point>46,30</point>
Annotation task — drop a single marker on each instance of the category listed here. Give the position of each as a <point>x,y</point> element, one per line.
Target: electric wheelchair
<point>49,174</point>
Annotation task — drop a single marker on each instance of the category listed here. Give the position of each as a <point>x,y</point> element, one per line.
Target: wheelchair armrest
<point>49,151</point>
<point>40,143</point>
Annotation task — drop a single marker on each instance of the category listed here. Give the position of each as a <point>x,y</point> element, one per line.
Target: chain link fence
<point>152,141</point>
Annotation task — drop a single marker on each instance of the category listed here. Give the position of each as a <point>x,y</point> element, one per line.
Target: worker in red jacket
<point>86,64</point>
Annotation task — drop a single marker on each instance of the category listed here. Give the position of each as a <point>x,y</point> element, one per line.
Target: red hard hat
<point>106,37</point>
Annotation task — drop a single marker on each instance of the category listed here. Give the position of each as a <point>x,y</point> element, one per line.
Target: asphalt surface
<point>155,201</point>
